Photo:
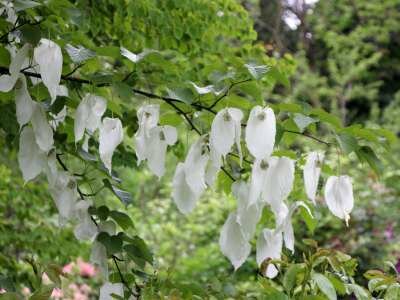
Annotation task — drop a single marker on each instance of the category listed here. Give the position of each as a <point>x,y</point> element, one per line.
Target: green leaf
<point>122,195</point>
<point>366,154</point>
<point>122,219</point>
<point>303,121</point>
<point>138,248</point>
<point>103,212</point>
<point>324,285</point>
<point>311,222</point>
<point>10,296</point>
<point>393,292</point>
<point>31,34</point>
<point>123,91</point>
<point>43,293</point>
<point>183,94</point>
<point>326,117</point>
<point>4,57</point>
<point>257,71</point>
<point>113,243</point>
<point>21,5</point>
<point>79,53</point>
<point>289,280</point>
<point>338,284</point>
<point>110,51</point>
<point>347,142</point>
<point>359,292</point>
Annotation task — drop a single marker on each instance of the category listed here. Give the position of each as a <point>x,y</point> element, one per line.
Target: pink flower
<point>389,232</point>
<point>26,291</point>
<point>67,269</point>
<point>57,293</point>
<point>45,279</point>
<point>79,296</point>
<point>86,269</point>
<point>85,289</point>
<point>2,291</point>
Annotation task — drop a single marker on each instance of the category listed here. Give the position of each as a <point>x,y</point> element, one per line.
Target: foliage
<point>203,65</point>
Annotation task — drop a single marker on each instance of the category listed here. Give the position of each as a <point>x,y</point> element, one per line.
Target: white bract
<point>279,181</point>
<point>248,214</point>
<point>269,246</point>
<point>259,172</point>
<point>88,115</point>
<point>207,89</point>
<point>31,158</point>
<point>233,242</point>
<point>49,58</point>
<point>148,116</point>
<point>160,138</point>
<point>195,166</point>
<point>226,131</point>
<point>189,179</point>
<point>311,173</point>
<point>98,254</point>
<point>7,82</point>
<point>260,132</point>
<point>111,135</point>
<point>136,57</point>
<point>41,128</point>
<point>85,229</point>
<point>23,102</point>
<point>339,196</point>
<point>283,218</point>
<point>184,197</point>
<point>107,289</point>
<point>65,194</point>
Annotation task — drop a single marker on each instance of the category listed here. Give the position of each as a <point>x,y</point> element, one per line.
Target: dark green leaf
<point>366,154</point>
<point>122,219</point>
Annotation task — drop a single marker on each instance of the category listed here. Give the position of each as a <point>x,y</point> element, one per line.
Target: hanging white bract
<point>339,196</point>
<point>259,172</point>
<point>226,131</point>
<point>160,138</point>
<point>108,289</point>
<point>311,173</point>
<point>269,246</point>
<point>41,128</point>
<point>248,214</point>
<point>260,132</point>
<point>189,180</point>
<point>49,58</point>
<point>85,229</point>
<point>111,135</point>
<point>279,181</point>
<point>23,102</point>
<point>7,82</point>
<point>88,115</point>
<point>65,195</point>
<point>233,242</point>
<point>31,158</point>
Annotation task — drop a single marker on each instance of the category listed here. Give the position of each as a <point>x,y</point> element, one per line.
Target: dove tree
<point>81,114</point>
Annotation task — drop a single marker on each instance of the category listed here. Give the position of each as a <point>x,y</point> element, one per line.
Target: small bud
<point>263,165</point>
<point>71,184</point>
<point>261,116</point>
<point>18,84</point>
<point>162,136</point>
<point>227,117</point>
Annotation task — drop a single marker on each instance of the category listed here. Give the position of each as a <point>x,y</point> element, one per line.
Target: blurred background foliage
<point>343,56</point>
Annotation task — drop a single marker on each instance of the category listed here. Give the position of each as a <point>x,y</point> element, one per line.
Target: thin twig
<point>309,136</point>
<point>227,92</point>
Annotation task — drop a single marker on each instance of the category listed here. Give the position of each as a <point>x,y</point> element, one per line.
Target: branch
<point>114,258</point>
<point>227,92</point>
<point>309,136</point>
<point>17,27</point>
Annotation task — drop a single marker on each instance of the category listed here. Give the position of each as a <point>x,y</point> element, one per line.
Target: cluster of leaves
<point>98,67</point>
